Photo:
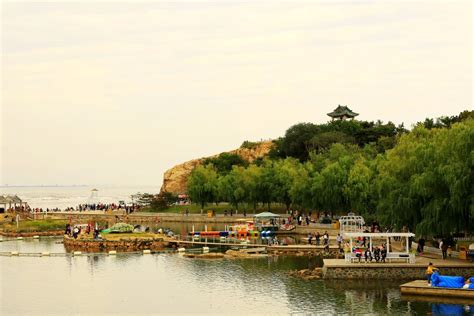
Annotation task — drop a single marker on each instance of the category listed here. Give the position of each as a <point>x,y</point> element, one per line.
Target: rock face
<point>175,180</point>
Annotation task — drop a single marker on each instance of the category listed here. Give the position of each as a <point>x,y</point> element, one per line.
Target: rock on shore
<point>308,274</point>
<point>175,180</point>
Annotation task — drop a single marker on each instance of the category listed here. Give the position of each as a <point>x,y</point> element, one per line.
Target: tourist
<point>318,239</point>
<point>339,240</point>
<point>383,253</point>
<point>307,220</point>
<point>75,232</point>
<point>429,271</point>
<point>96,233</point>
<point>310,238</point>
<point>368,255</point>
<point>358,253</point>
<point>68,229</point>
<point>377,254</point>
<point>443,245</point>
<point>421,245</point>
<point>326,238</point>
<point>300,220</point>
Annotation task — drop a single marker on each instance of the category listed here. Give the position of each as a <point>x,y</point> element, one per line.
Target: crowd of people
<point>76,230</point>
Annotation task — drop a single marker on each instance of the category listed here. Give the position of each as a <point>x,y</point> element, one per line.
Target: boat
<point>421,287</point>
<point>264,225</point>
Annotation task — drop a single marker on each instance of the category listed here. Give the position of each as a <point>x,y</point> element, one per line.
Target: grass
<point>35,226</point>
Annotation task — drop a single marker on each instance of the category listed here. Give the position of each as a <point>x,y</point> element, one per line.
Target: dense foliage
<point>302,139</point>
<point>225,161</point>
<point>422,179</point>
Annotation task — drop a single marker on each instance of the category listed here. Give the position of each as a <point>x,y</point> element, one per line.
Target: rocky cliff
<point>175,179</point>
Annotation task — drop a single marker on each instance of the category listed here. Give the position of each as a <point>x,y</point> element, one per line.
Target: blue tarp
<point>450,282</point>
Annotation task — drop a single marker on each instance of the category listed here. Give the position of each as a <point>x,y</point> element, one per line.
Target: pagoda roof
<point>342,110</point>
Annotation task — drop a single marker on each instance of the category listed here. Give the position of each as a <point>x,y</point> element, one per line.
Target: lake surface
<point>172,284</point>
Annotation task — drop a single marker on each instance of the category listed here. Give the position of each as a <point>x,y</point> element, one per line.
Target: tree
<point>231,188</point>
<point>224,162</point>
<point>202,185</point>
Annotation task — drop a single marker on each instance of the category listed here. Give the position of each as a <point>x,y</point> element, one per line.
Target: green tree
<point>202,185</point>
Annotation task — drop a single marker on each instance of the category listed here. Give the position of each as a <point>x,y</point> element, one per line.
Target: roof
<point>342,111</point>
<point>375,235</point>
<point>7,199</point>
<point>266,215</point>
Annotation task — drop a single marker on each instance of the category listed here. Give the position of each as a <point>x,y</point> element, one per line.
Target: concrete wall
<point>389,272</point>
<point>122,245</point>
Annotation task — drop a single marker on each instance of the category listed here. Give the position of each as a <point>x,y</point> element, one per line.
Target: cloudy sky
<point>118,92</point>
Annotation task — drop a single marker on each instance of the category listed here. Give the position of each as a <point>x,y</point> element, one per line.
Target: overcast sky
<point>116,93</point>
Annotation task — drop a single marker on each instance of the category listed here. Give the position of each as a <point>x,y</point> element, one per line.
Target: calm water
<point>172,284</point>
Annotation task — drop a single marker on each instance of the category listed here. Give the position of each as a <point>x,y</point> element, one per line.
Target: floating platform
<point>421,287</point>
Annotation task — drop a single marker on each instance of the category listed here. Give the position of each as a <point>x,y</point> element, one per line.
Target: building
<point>342,112</point>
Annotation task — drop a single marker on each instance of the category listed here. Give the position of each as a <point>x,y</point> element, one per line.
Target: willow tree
<point>202,185</point>
<point>231,187</point>
<point>426,181</point>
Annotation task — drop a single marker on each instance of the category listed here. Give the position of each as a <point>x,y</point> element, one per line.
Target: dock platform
<point>421,287</point>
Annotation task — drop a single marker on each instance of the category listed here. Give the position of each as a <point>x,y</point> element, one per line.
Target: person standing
<point>443,245</point>
<point>339,240</point>
<point>318,239</point>
<point>421,245</point>
<point>429,271</point>
<point>326,238</point>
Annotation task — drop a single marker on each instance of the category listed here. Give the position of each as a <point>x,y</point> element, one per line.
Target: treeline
<point>422,179</point>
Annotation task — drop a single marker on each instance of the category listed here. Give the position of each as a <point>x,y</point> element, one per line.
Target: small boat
<point>421,287</point>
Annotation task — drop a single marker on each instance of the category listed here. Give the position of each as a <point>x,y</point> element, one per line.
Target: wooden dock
<point>421,287</point>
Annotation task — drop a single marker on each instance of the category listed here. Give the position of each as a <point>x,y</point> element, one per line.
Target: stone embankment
<point>32,234</point>
<point>390,272</point>
<point>121,245</point>
<point>175,180</point>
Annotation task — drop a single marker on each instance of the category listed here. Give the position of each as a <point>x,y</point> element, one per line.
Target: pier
<point>421,287</point>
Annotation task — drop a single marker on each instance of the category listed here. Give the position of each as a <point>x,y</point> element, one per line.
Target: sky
<point>118,92</point>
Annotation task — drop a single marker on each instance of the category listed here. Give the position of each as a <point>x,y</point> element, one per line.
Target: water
<point>62,197</point>
<point>172,284</point>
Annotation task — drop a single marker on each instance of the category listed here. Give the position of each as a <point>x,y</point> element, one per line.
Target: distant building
<point>342,113</point>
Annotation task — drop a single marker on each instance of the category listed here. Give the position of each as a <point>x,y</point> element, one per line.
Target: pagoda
<point>342,113</point>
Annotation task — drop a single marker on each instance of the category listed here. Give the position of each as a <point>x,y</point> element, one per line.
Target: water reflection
<point>171,283</point>
<point>452,310</point>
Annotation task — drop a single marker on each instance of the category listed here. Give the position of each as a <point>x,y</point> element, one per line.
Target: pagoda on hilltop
<point>342,112</point>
